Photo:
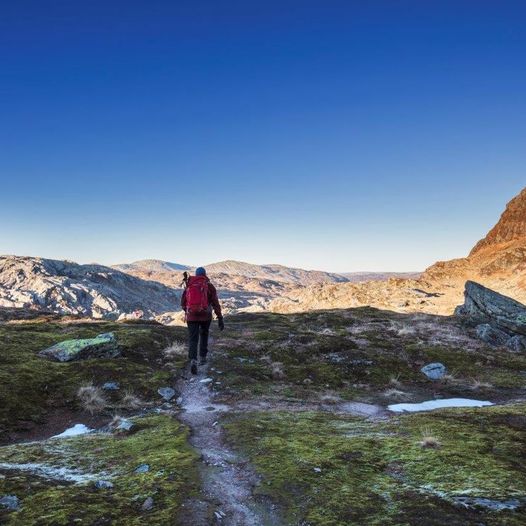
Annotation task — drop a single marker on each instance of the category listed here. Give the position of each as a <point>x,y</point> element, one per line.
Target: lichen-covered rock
<point>483,305</point>
<point>434,371</point>
<point>102,346</point>
<point>517,343</point>
<point>491,335</point>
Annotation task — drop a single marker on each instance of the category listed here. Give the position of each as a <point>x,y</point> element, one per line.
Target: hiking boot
<point>193,367</point>
<point>202,360</point>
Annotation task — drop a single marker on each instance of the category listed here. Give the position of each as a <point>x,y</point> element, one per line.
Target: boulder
<point>483,305</point>
<point>517,343</point>
<point>490,335</point>
<point>434,371</point>
<point>102,346</point>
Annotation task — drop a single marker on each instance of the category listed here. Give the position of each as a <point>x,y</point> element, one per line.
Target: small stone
<point>517,343</point>
<point>143,468</point>
<point>10,502</point>
<point>317,470</point>
<point>206,380</point>
<point>166,392</point>
<point>103,484</point>
<point>111,386</point>
<point>434,371</point>
<point>491,335</point>
<point>147,505</point>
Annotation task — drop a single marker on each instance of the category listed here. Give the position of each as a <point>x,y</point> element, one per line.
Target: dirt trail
<point>227,480</point>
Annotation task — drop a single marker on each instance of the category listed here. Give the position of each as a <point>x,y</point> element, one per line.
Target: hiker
<point>198,300</point>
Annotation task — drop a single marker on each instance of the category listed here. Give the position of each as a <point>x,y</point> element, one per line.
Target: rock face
<point>485,306</point>
<point>500,320</point>
<point>88,290</point>
<point>102,346</point>
<point>511,226</point>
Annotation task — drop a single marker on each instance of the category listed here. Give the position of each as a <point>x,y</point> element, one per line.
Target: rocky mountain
<point>278,273</point>
<point>498,261</point>
<point>88,290</point>
<point>152,265</point>
<point>511,226</point>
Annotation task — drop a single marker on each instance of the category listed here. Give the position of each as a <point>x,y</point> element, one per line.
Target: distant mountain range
<point>498,261</point>
<point>272,272</point>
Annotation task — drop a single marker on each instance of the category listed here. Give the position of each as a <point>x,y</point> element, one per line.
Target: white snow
<point>437,404</point>
<point>51,472</point>
<point>77,429</point>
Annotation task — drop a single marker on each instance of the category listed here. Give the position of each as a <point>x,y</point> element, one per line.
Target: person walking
<point>198,301</point>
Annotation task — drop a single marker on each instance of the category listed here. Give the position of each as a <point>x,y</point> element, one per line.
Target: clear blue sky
<point>341,135</point>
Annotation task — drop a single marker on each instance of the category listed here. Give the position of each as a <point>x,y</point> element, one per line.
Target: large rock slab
<point>483,305</point>
<point>102,346</point>
<point>491,335</point>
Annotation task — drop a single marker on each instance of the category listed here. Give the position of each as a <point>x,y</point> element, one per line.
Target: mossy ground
<point>159,441</point>
<point>32,387</point>
<point>324,470</point>
<point>358,354</point>
<point>331,471</point>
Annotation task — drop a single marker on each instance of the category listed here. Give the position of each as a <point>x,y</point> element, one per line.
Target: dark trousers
<point>198,335</point>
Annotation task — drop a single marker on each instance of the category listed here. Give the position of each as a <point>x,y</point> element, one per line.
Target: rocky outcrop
<point>511,226</point>
<point>483,305</point>
<point>102,346</point>
<point>87,290</point>
<point>500,320</point>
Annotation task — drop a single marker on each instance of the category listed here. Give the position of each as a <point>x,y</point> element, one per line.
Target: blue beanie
<point>200,271</point>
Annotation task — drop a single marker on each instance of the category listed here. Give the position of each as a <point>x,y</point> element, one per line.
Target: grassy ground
<point>32,388</point>
<point>328,471</point>
<point>361,354</point>
<point>159,441</point>
<point>323,469</point>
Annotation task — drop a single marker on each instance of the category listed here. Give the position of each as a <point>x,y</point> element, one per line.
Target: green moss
<point>160,442</point>
<point>329,471</point>
<point>32,386</point>
<point>319,351</point>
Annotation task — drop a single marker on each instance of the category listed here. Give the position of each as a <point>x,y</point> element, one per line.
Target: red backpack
<point>197,294</point>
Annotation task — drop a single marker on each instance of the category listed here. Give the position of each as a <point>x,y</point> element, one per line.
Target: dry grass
<point>476,385</point>
<point>395,382</point>
<point>277,371</point>
<point>396,394</point>
<point>428,441</point>
<point>175,351</point>
<point>92,398</point>
<point>330,398</point>
<point>132,401</point>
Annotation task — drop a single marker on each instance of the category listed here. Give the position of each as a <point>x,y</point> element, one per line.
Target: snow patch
<point>51,472</point>
<point>77,429</point>
<point>437,404</point>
